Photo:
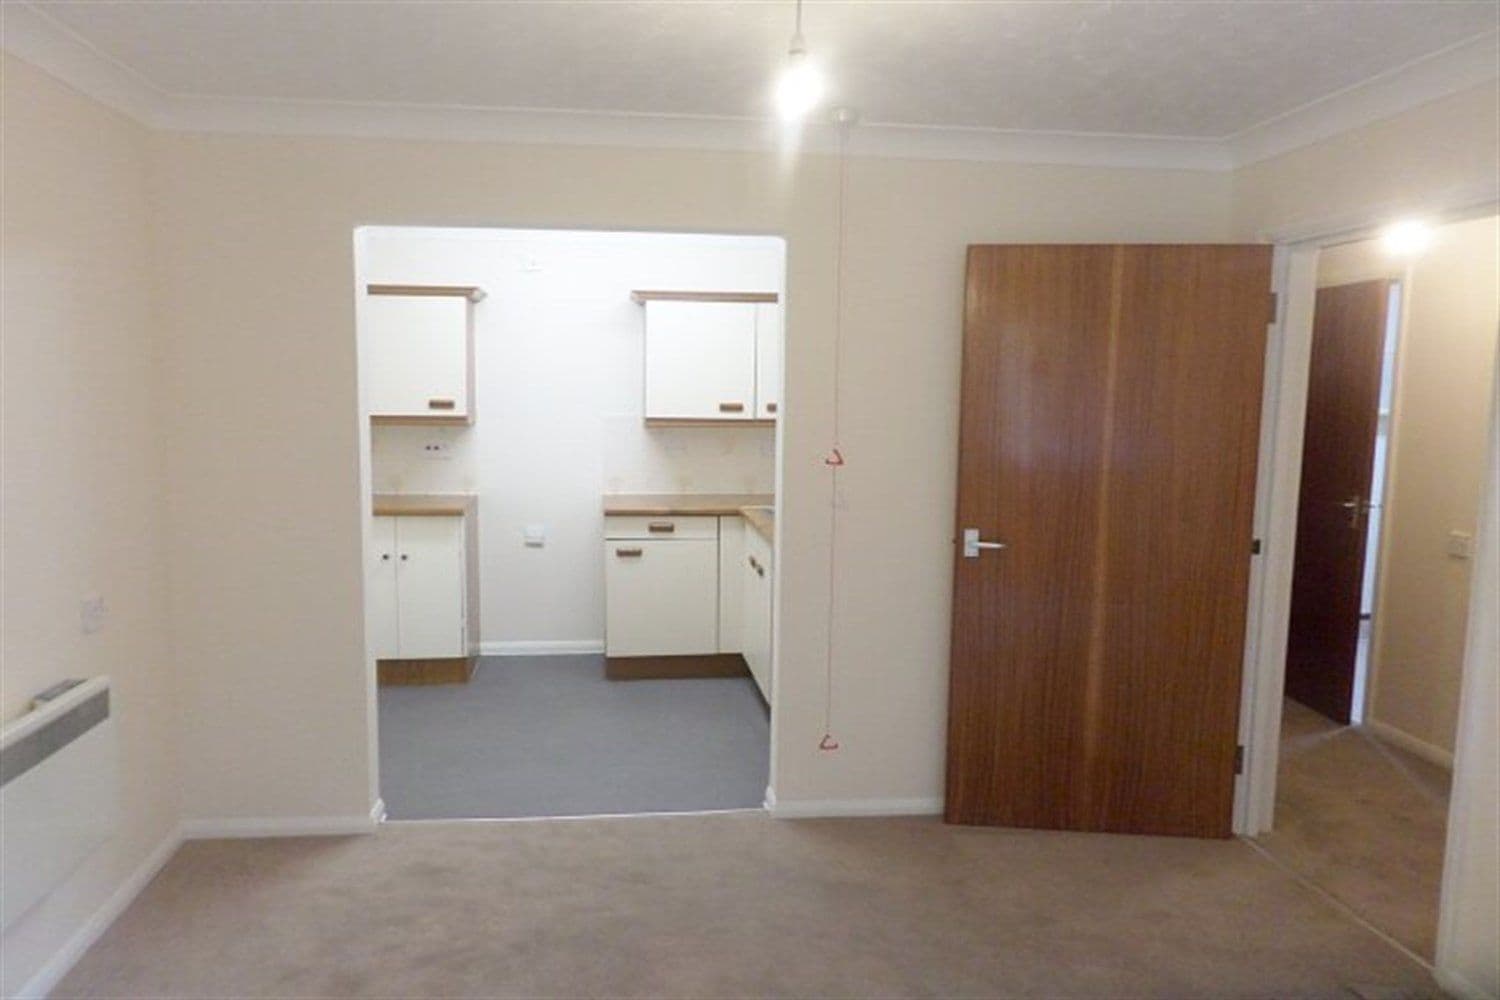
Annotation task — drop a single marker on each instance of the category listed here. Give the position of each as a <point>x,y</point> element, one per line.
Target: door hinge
<point>1255,546</point>
<point>1239,759</point>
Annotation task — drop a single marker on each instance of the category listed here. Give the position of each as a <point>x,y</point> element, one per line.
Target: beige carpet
<point>735,905</point>
<point>1364,820</point>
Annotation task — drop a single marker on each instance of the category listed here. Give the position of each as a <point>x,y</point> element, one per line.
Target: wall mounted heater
<point>59,790</point>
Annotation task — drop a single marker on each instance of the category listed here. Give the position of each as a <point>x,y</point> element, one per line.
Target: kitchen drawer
<point>664,528</point>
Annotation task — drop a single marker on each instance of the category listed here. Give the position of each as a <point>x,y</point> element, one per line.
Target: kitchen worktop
<point>423,504</point>
<point>756,508</point>
<point>762,519</point>
<point>683,504</point>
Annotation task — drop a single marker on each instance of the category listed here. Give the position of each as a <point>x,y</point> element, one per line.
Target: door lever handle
<point>972,544</point>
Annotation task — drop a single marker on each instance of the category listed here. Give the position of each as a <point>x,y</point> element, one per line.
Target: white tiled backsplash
<point>636,459</point>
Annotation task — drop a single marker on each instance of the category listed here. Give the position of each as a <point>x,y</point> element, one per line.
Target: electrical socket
<point>1460,544</point>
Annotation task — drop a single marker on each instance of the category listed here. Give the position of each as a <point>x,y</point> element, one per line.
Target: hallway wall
<point>81,509</point>
<point>1440,423</point>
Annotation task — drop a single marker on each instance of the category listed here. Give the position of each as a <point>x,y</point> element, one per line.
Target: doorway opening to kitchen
<point>570,548</point>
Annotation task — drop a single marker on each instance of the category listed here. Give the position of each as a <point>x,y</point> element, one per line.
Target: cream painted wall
<point>257,263</point>
<point>1436,154</point>
<point>84,463</point>
<point>1440,424</point>
<point>560,385</point>
<point>258,369</point>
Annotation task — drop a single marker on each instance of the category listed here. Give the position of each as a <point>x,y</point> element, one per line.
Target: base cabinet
<point>755,618</point>
<point>662,594</point>
<point>417,592</point>
<point>696,587</point>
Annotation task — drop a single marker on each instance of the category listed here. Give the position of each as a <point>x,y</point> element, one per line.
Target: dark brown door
<point>1109,430</point>
<point>1338,459</point>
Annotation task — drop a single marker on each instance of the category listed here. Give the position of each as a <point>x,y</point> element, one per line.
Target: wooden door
<point>1338,458</point>
<point>430,573</point>
<point>1108,438</point>
<point>700,360</point>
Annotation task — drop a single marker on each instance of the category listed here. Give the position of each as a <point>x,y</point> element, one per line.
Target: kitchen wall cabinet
<point>755,619</point>
<point>661,588</point>
<point>768,348</point>
<point>417,343</point>
<point>714,358</point>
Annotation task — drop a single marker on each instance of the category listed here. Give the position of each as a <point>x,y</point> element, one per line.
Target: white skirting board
<point>63,960</point>
<point>234,828</point>
<point>1400,738</point>
<point>542,647</point>
<point>58,966</point>
<point>834,808</point>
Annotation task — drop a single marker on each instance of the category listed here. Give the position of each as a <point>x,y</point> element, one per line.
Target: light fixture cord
<point>835,460</point>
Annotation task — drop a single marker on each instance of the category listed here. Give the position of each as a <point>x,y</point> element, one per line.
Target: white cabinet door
<point>700,360</point>
<point>380,590</point>
<point>767,360</point>
<point>417,355</point>
<point>661,597</point>
<point>430,587</point>
<point>756,619</point>
<point>731,583</point>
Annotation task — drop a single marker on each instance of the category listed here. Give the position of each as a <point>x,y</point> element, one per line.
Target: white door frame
<point>1278,481</point>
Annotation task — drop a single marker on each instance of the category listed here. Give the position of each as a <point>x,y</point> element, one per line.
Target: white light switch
<point>535,535</point>
<point>1460,544</point>
<point>91,614</point>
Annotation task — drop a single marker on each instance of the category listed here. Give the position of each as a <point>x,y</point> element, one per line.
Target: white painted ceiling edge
<point>36,38</point>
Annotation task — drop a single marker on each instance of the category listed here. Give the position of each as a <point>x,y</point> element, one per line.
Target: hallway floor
<point>549,736</point>
<point>734,905</point>
<point>1364,820</point>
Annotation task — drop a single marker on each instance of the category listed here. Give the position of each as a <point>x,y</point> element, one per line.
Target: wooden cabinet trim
<point>642,296</point>
<point>471,292</point>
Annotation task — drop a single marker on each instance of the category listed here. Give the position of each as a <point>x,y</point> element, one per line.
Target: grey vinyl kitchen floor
<point>549,736</point>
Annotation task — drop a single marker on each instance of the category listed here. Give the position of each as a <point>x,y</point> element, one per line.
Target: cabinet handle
<point>755,565</point>
<point>628,553</point>
<point>440,404</point>
<point>731,407</point>
<point>661,527</point>
<point>403,557</point>
<point>385,557</point>
<point>770,407</point>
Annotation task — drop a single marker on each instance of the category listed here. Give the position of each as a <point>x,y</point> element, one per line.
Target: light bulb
<point>800,87</point>
<point>1407,238</point>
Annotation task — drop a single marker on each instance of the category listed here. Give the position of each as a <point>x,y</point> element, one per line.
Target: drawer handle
<point>661,527</point>
<point>440,404</point>
<point>770,407</point>
<point>731,407</point>
<point>628,553</point>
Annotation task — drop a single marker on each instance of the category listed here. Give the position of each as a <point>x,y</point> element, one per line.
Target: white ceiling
<point>1200,70</point>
